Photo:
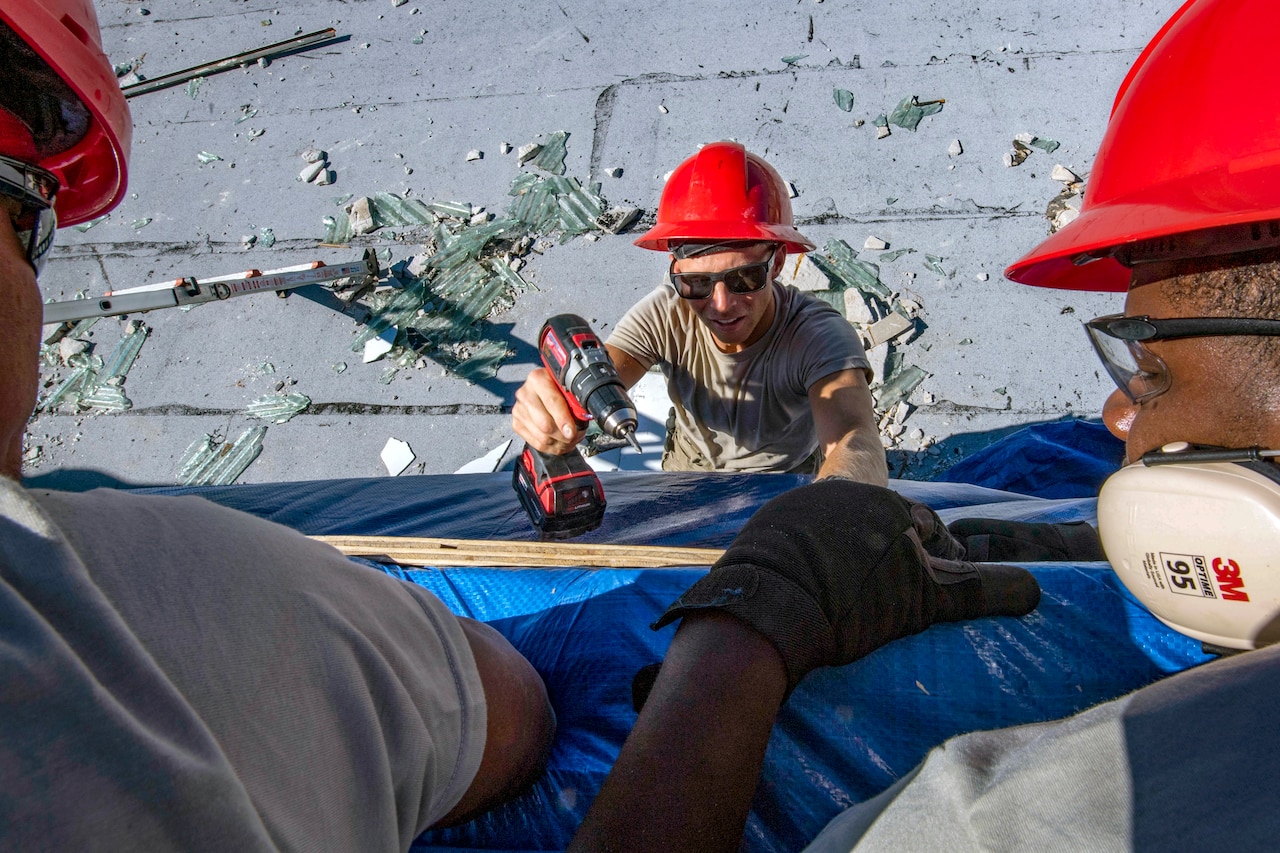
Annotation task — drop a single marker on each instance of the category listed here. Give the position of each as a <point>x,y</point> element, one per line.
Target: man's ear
<point>779,258</point>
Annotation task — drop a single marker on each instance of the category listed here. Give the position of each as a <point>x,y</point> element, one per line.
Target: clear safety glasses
<point>1120,342</point>
<point>35,223</point>
<point>747,278</point>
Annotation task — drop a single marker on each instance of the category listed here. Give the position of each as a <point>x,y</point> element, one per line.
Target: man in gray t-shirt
<point>761,377</point>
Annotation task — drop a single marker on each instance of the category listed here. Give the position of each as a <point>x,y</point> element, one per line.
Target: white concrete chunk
<point>803,274</point>
<point>874,244</point>
<point>397,456</point>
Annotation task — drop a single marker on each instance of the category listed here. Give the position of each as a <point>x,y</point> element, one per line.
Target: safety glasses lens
<point>1137,371</point>
<point>39,241</point>
<point>747,278</point>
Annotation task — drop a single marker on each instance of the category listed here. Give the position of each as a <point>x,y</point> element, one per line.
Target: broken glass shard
<point>107,398</point>
<point>208,462</point>
<point>900,386</point>
<point>483,361</point>
<point>843,266</point>
<point>85,226</point>
<point>267,238</point>
<point>454,209</point>
<point>139,224</point>
<point>890,257</point>
<point>551,157</point>
<point>844,99</point>
<point>933,264</point>
<point>794,58</point>
<point>1045,144</point>
<point>910,111</point>
<point>277,408</point>
<point>193,87</point>
<point>207,157</point>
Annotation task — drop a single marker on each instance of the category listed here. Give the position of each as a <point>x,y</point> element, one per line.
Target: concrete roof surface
<point>398,105</point>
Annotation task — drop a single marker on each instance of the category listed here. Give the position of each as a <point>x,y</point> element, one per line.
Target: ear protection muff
<point>1194,533</point>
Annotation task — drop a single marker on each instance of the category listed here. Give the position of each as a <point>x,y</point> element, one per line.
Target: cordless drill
<point>562,494</point>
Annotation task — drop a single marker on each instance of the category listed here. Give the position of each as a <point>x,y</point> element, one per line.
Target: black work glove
<point>993,540</point>
<point>831,571</point>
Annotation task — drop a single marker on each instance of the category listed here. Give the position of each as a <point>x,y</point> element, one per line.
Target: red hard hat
<point>1192,152</point>
<point>724,193</point>
<point>78,115</point>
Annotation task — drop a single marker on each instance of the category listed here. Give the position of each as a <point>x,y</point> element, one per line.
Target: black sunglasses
<point>1120,342</point>
<point>747,278</point>
<point>35,223</point>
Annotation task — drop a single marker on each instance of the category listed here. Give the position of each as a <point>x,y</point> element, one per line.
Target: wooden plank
<point>442,553</point>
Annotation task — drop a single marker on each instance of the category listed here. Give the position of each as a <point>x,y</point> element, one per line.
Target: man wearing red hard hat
<point>762,377</point>
<point>1183,211</point>
<point>175,675</point>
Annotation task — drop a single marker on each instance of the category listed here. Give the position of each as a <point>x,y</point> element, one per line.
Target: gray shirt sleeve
<point>1184,764</point>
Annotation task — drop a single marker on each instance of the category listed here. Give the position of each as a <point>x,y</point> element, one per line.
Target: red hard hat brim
<point>1243,192</point>
<point>94,172</point>
<point>664,235</point>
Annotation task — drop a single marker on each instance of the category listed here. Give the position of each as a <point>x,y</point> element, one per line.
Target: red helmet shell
<point>93,172</point>
<point>1193,144</point>
<point>724,193</point>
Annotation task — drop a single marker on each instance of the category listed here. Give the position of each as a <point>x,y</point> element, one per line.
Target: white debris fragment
<point>615,172</point>
<point>314,155</point>
<point>474,154</point>
<point>311,171</point>
<point>901,411</point>
<point>955,149</point>
<point>896,430</point>
<point>917,434</point>
<point>792,192</point>
<point>888,328</point>
<point>1008,159</point>
<point>874,244</point>
<point>361,217</point>
<point>982,276</point>
<point>662,108</point>
<point>504,148</point>
<point>68,347</point>
<point>480,217</point>
<point>615,220</point>
<point>488,463</point>
<point>397,456</point>
<point>882,130</point>
<point>803,274</point>
<point>379,346</point>
<point>876,357</point>
<point>1025,138</point>
<point>527,152</point>
<point>927,398</point>
<point>1063,174</point>
<point>247,241</point>
<point>516,264</point>
<point>326,177</point>
<point>856,309</point>
<point>1065,217</point>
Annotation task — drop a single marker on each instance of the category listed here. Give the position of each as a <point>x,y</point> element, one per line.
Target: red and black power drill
<point>561,494</point>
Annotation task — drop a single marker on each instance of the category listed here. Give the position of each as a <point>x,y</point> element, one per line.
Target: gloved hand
<point>831,571</point>
<point>993,540</point>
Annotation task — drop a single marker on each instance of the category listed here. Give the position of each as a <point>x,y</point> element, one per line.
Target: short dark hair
<point>1246,284</point>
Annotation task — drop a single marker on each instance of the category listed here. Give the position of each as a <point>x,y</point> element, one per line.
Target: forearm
<point>858,456</point>
<point>686,775</point>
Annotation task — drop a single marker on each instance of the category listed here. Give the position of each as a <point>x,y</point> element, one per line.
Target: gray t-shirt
<point>1186,764</point>
<point>745,411</point>
<point>175,675</point>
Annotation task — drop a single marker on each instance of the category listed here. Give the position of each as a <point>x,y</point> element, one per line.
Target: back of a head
<point>63,103</point>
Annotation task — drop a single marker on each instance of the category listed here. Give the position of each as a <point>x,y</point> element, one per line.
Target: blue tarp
<point>847,733</point>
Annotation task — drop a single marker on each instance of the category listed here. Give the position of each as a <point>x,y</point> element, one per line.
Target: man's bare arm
<point>845,417</point>
<point>21,313</point>
<point>686,775</point>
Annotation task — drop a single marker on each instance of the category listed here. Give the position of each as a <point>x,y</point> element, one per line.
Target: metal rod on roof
<point>219,65</point>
